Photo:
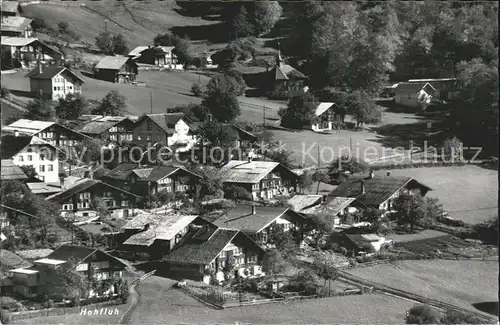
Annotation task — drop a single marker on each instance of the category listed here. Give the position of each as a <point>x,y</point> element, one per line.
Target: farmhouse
<point>107,128</point>
<point>378,191</point>
<point>51,132</point>
<point>146,181</point>
<point>10,8</point>
<point>166,128</point>
<point>40,279</point>
<point>24,51</point>
<point>446,88</point>
<point>16,26</point>
<point>162,56</point>
<point>325,115</point>
<point>76,199</point>
<point>208,250</point>
<point>32,151</point>
<point>54,82</point>
<point>12,172</point>
<point>363,243</point>
<point>263,179</point>
<point>120,69</point>
<point>157,234</point>
<point>260,222</point>
<point>414,94</point>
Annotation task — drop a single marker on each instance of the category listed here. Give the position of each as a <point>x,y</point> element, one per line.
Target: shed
<point>120,69</point>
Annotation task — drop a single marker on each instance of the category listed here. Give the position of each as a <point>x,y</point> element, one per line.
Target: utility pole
<point>105,25</point>
<point>318,157</point>
<point>264,114</point>
<point>151,100</point>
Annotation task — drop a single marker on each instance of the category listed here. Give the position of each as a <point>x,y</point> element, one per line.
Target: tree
<point>415,210</point>
<point>305,181</point>
<point>322,225</point>
<point>40,110</point>
<point>30,171</point>
<point>325,268</point>
<point>237,193</point>
<point>71,107</point>
<point>104,42</point>
<point>363,108</point>
<point>119,45</point>
<point>241,25</point>
<point>282,156</point>
<point>97,204</point>
<point>343,167</point>
<point>457,317</point>
<point>63,27</point>
<point>181,50</point>
<point>210,185</point>
<point>320,177</point>
<point>284,241</point>
<point>303,280</point>
<point>197,89</point>
<point>273,263</point>
<point>422,314</point>
<point>223,105</point>
<point>299,111</point>
<point>265,15</point>
<point>113,104</point>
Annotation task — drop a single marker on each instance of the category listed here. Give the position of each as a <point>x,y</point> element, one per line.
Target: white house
<point>414,94</point>
<point>323,117</point>
<point>54,82</point>
<point>182,136</point>
<point>32,151</point>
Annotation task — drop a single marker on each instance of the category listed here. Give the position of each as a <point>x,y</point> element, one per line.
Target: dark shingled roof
<point>151,174</point>
<point>166,121</point>
<point>80,186</point>
<point>241,218</point>
<point>11,145</point>
<point>377,189</point>
<point>122,172</point>
<point>202,250</point>
<point>50,72</point>
<point>11,171</point>
<point>79,253</point>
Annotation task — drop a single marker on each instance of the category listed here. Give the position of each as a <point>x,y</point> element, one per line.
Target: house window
<point>42,157</point>
<point>42,168</point>
<point>67,207</point>
<point>50,168</point>
<point>21,158</point>
<point>30,158</point>
<point>124,203</point>
<point>55,88</point>
<point>30,150</point>
<point>149,125</point>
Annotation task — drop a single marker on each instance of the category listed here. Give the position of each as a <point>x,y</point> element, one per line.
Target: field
<point>462,283</point>
<point>160,304</point>
<point>468,193</point>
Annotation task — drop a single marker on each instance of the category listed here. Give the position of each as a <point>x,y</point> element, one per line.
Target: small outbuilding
<point>120,69</point>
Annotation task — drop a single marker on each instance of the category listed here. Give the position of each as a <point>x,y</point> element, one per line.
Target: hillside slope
<point>139,22</point>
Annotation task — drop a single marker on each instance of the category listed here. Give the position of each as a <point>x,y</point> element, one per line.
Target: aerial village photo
<point>249,162</point>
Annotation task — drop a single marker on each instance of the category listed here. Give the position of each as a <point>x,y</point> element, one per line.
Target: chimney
<point>40,68</point>
<point>16,133</point>
<point>253,209</point>
<point>362,187</point>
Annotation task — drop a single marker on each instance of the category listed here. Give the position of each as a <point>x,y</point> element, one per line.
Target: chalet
<point>10,8</point>
<point>243,138</point>
<point>54,82</point>
<point>336,209</point>
<point>76,200</point>
<point>51,132</point>
<point>25,51</point>
<point>32,151</point>
<point>157,234</point>
<point>260,222</point>
<point>263,179</point>
<point>118,69</point>
<point>39,279</point>
<point>414,94</point>
<point>12,172</point>
<point>169,129</point>
<point>162,56</point>
<point>378,191</point>
<point>145,181</point>
<point>366,243</point>
<point>207,251</point>
<point>16,26</point>
<point>108,128</point>
<point>283,74</point>
<point>325,114</point>
<point>446,88</point>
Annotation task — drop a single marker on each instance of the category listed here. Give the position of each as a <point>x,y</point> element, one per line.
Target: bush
<point>422,314</point>
<point>197,90</point>
<point>7,302</point>
<point>5,316</point>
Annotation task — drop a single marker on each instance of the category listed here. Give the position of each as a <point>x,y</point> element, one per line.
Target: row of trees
<point>73,106</point>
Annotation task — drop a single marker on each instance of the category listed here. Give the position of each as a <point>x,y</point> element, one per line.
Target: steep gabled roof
<point>11,145</point>
<point>322,108</point>
<point>300,202</point>
<point>112,62</point>
<point>121,172</point>
<point>409,87</point>
<point>250,172</point>
<point>79,253</point>
<point>18,41</point>
<point>331,207</point>
<point>50,72</point>
<point>83,185</point>
<point>241,218</point>
<point>166,121</point>
<point>202,252</point>
<point>377,189</point>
